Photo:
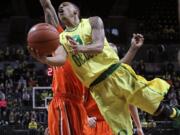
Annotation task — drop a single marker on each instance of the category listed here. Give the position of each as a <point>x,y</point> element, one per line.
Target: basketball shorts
<point>121,88</point>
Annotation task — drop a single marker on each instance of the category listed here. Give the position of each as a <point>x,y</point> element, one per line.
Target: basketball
<point>44,38</point>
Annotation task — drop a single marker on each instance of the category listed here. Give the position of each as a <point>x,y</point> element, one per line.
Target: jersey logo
<point>80,58</point>
<point>78,39</point>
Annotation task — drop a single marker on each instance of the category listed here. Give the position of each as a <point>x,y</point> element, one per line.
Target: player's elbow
<point>60,61</point>
<point>47,4</point>
<point>100,47</point>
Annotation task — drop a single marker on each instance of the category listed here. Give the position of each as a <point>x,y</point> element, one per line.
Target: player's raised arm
<point>136,42</point>
<point>98,37</point>
<point>50,13</point>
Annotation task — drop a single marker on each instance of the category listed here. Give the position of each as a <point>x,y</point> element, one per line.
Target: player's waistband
<point>105,74</point>
<point>65,96</point>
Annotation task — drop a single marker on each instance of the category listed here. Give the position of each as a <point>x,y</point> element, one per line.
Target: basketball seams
<point>39,30</point>
<point>43,41</point>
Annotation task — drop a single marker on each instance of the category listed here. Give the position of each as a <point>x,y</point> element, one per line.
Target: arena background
<point>157,20</point>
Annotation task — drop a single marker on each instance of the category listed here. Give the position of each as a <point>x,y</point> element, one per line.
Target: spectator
<point>11,118</point>
<point>9,71</point>
<point>32,82</point>
<point>32,126</point>
<point>173,102</point>
<point>33,115</point>
<point>26,98</point>
<point>4,118</point>
<point>26,119</point>
<point>2,95</point>
<point>22,83</point>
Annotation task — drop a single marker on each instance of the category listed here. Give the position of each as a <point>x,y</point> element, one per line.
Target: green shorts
<point>124,87</point>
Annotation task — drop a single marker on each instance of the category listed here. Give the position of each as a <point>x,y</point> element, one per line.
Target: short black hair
<point>77,8</point>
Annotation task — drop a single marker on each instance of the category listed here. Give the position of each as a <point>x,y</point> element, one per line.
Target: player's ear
<point>75,12</point>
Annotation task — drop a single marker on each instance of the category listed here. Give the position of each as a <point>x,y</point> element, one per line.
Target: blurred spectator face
<point>2,95</point>
<point>26,96</point>
<point>4,113</point>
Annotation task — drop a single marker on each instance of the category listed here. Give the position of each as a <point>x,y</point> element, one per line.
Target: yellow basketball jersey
<point>87,67</point>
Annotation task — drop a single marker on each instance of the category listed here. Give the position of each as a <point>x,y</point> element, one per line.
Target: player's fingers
<point>134,35</point>
<point>94,118</point>
<point>72,42</point>
<point>73,51</point>
<point>140,35</point>
<point>69,37</point>
<point>93,123</point>
<point>142,39</point>
<point>73,46</point>
<point>31,50</point>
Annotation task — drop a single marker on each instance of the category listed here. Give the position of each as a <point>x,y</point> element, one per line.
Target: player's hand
<point>137,40</point>
<point>92,122</point>
<point>76,47</point>
<point>36,55</point>
<point>46,132</point>
<point>140,131</point>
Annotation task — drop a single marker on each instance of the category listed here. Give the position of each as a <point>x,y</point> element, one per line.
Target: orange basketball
<point>44,38</point>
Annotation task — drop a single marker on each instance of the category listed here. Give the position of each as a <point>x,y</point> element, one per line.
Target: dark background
<point>124,15</point>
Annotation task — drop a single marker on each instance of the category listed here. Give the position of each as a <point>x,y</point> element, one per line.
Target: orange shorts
<point>101,128</point>
<point>66,117</point>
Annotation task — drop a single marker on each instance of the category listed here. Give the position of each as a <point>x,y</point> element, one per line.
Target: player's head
<point>68,10</point>
<point>114,47</point>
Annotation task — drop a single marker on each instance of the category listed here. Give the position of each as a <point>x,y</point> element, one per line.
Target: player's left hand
<point>76,47</point>
<point>137,40</point>
<point>92,122</point>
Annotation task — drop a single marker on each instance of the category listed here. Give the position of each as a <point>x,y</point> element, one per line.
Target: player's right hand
<point>36,55</point>
<point>92,122</point>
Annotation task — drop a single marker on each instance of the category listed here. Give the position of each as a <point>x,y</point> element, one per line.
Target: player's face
<point>66,10</point>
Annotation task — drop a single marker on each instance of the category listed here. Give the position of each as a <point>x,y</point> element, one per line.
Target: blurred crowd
<point>159,21</point>
<point>18,75</point>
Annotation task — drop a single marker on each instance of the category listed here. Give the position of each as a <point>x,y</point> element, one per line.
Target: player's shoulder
<point>95,20</point>
<point>92,18</point>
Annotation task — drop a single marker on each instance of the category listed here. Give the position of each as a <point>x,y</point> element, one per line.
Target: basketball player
<point>50,17</point>
<point>66,113</point>
<point>112,84</point>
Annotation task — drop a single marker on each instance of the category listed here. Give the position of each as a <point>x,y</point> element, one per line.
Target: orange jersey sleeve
<point>59,28</point>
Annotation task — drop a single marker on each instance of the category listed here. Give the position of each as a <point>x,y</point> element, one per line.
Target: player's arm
<point>57,60</point>
<point>135,116</point>
<point>50,13</point>
<point>136,42</point>
<point>98,37</point>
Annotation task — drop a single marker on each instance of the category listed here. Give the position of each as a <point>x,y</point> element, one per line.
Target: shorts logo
<point>122,132</point>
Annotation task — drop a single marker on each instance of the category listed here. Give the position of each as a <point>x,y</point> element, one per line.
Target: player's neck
<point>72,23</point>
